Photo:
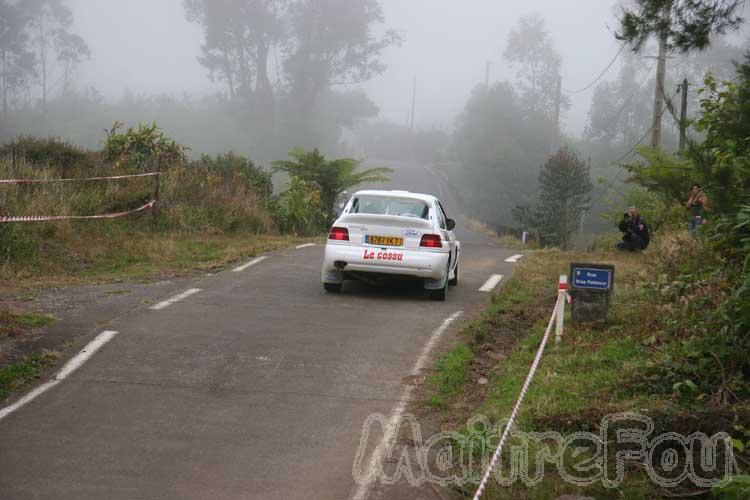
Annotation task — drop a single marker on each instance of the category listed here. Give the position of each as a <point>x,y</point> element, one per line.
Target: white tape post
<point>511,421</point>
<point>560,313</point>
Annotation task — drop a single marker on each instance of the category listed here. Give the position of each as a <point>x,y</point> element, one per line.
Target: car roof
<point>427,198</point>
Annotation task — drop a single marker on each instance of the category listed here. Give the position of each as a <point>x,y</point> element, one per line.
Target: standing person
<point>697,204</point>
<point>636,235</point>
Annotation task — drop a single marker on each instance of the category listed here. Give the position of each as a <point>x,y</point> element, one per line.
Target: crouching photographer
<point>635,234</point>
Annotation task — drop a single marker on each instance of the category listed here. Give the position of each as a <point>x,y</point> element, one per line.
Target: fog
<point>149,47</point>
<point>260,78</point>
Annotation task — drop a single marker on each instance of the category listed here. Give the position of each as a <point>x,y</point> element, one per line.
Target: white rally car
<point>392,234</point>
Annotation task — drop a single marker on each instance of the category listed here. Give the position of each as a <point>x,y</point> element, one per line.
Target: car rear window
<point>377,205</point>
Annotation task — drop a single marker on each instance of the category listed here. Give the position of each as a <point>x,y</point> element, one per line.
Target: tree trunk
<point>661,72</point>
<point>262,83</point>
<point>264,97</point>
<point>43,60</point>
<point>5,83</point>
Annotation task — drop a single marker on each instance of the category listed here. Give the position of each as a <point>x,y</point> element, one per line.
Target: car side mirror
<point>450,224</point>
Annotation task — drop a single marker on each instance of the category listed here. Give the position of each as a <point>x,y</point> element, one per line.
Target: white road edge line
<point>492,283</point>
<point>70,367</point>
<point>306,245</point>
<point>79,359</point>
<point>175,299</point>
<point>391,432</point>
<point>250,264</point>
<point>514,259</point>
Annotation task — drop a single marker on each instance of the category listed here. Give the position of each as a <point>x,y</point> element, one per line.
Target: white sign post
<point>560,319</point>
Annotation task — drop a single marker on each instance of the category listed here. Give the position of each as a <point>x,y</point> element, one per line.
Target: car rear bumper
<point>428,265</point>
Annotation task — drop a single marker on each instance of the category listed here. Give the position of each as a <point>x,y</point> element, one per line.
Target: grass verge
<point>596,371</point>
<point>122,251</point>
<point>13,325</point>
<point>450,375</point>
<point>18,375</point>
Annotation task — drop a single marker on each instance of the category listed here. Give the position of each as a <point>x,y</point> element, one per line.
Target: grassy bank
<point>210,213</point>
<point>618,366</point>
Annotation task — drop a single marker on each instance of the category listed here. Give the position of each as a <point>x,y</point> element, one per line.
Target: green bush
<point>660,213</point>
<point>143,147</point>
<point>45,152</point>
<point>299,209</point>
<point>230,164</point>
<point>197,197</point>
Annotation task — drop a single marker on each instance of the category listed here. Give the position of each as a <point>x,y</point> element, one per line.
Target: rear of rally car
<point>386,236</point>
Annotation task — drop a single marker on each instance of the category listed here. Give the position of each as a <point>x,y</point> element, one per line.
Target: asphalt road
<point>255,387</point>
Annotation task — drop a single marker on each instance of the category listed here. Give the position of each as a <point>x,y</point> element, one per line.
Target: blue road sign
<point>592,279</point>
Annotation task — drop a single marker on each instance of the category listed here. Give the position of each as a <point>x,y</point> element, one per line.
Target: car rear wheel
<point>332,287</point>
<point>454,281</point>
<point>442,294</point>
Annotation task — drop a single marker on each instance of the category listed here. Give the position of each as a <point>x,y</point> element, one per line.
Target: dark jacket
<point>641,229</point>
<point>636,232</point>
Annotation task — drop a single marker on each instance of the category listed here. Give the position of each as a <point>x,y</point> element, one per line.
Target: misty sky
<point>147,46</point>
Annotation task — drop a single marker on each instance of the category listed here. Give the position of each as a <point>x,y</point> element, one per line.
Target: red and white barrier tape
<point>521,397</point>
<point>47,218</point>
<point>82,179</point>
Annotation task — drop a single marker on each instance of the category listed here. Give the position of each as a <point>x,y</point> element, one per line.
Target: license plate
<point>385,241</point>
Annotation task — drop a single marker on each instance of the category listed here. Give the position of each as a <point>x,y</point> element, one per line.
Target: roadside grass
<point>450,375</point>
<point>123,252</point>
<point>13,325</point>
<point>17,375</point>
<point>579,381</point>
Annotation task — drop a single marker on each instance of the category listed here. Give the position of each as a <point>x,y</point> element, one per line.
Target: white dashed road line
<point>492,283</point>
<point>175,299</point>
<point>514,259</point>
<point>70,367</point>
<point>306,245</point>
<point>250,264</point>
<point>391,432</point>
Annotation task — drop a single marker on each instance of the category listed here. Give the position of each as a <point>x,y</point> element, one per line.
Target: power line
<point>629,152</point>
<point>596,80</point>
<point>633,96</point>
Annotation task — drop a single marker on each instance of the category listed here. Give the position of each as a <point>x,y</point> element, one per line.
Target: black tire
<point>454,281</point>
<point>442,294</point>
<point>332,287</point>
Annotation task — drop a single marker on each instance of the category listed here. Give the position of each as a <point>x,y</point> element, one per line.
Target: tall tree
<point>50,23</point>
<point>564,197</point>
<point>334,42</point>
<point>16,61</point>
<point>679,26</point>
<point>620,112</point>
<point>499,154</point>
<point>531,50</point>
<point>239,36</point>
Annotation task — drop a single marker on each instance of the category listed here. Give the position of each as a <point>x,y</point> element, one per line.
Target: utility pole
<point>683,114</point>
<point>413,104</point>
<point>661,73</point>
<point>487,75</point>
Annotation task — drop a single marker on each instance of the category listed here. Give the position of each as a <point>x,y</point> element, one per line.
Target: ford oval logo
<point>411,233</point>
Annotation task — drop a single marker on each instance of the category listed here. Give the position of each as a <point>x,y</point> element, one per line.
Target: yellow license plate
<point>386,241</point>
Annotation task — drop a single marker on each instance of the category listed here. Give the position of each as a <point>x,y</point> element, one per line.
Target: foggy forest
<point>470,88</point>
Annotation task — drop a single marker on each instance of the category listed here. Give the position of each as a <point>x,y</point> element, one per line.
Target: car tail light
<point>339,234</point>
<point>431,241</point>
